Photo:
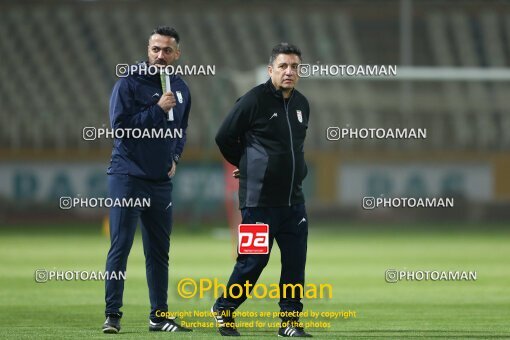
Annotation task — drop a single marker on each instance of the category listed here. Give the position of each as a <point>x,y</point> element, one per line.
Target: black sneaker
<point>225,321</point>
<point>292,329</point>
<point>167,325</point>
<point>112,324</point>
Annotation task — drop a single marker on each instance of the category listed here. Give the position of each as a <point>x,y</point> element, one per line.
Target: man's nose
<point>161,55</point>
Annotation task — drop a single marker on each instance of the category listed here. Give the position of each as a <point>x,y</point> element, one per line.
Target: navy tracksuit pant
<point>156,228</point>
<point>289,227</point>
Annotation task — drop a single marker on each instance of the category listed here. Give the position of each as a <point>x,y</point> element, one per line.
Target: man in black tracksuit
<point>264,136</point>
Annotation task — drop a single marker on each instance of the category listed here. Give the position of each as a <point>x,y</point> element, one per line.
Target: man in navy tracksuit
<point>264,136</point>
<point>143,168</point>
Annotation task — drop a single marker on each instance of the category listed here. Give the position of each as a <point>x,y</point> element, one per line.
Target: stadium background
<point>58,68</point>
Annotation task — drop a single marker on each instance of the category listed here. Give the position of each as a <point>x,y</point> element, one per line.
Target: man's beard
<point>159,62</point>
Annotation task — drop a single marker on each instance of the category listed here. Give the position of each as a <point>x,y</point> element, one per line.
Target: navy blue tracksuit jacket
<point>133,104</point>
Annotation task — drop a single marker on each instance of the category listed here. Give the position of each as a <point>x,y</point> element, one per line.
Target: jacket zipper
<point>286,107</point>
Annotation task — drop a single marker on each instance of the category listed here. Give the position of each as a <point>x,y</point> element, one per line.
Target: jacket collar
<point>277,93</point>
<point>155,77</point>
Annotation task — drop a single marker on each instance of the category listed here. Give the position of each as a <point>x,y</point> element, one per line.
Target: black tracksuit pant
<point>289,227</point>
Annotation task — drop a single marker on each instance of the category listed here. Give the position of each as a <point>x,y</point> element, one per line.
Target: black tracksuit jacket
<point>263,135</point>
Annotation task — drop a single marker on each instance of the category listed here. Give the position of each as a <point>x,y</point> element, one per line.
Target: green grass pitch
<point>352,262</point>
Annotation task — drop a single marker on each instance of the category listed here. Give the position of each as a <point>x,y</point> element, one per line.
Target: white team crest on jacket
<point>179,96</point>
<point>299,116</point>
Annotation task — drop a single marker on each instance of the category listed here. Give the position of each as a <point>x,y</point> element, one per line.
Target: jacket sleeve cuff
<point>176,158</point>
<point>160,112</point>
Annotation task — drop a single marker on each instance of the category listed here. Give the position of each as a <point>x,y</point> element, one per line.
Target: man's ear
<point>177,54</point>
<point>270,70</point>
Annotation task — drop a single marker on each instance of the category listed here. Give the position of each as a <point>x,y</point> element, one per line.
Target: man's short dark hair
<point>284,48</point>
<point>167,31</point>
